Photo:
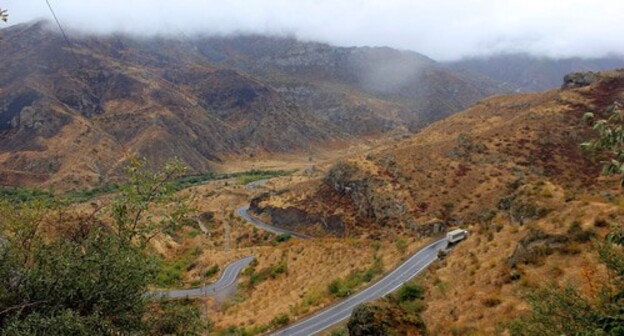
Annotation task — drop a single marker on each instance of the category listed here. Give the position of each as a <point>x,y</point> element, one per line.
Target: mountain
<point>510,170</point>
<point>70,116</point>
<point>528,73</point>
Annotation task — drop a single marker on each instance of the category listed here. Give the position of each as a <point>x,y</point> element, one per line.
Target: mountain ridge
<point>66,111</point>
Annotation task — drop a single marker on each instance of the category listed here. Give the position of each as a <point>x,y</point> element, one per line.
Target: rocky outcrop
<point>368,194</point>
<point>521,209</point>
<point>431,228</point>
<point>579,79</point>
<point>536,244</point>
<point>295,219</point>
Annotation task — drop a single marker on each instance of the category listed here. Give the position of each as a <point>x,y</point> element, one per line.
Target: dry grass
<point>311,265</point>
<point>478,293</point>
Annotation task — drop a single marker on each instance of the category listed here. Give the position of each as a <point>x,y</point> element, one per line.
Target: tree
<point>148,204</point>
<point>611,139</point>
<point>68,273</point>
<point>565,311</point>
<point>51,284</point>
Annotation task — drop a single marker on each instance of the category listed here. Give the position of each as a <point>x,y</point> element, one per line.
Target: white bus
<point>456,235</point>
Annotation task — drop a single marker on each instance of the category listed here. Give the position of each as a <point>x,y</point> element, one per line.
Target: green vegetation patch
<point>23,194</point>
<point>346,286</point>
<point>266,273</point>
<point>171,273</point>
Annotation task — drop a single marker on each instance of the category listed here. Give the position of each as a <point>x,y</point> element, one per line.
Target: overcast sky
<point>441,29</point>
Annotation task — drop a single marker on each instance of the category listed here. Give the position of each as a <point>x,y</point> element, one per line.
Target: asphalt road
<point>228,278</point>
<point>341,311</point>
<point>242,212</point>
<point>256,184</point>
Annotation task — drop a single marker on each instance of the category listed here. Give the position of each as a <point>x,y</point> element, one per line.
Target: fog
<point>444,30</point>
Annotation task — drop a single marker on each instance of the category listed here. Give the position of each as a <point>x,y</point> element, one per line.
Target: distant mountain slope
<point>71,118</point>
<point>468,160</point>
<point>530,73</point>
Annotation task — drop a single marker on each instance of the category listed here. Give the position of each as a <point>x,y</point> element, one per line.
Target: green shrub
<point>266,273</point>
<point>284,237</point>
<point>414,307</point>
<point>279,321</point>
<point>340,332</point>
<point>401,245</point>
<point>410,291</point>
<point>345,287</point>
<point>212,271</point>
<point>178,317</point>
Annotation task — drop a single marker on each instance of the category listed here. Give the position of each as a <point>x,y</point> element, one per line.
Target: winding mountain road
<point>242,212</point>
<point>342,310</point>
<point>228,278</point>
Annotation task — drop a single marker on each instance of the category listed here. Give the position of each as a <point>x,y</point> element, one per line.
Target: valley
<point>528,222</point>
<point>253,184</point>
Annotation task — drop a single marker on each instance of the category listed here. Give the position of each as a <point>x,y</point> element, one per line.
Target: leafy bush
<point>401,245</point>
<point>284,237</point>
<point>565,310</point>
<point>279,321</point>
<point>177,317</point>
<point>212,271</point>
<point>21,195</point>
<point>345,287</point>
<point>611,132</point>
<point>66,273</point>
<point>96,281</point>
<point>266,273</point>
<point>409,292</point>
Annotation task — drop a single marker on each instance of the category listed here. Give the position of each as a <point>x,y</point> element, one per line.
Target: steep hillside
<point>511,171</point>
<point>70,116</point>
<point>527,73</point>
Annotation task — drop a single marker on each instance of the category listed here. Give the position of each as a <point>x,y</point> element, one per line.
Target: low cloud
<point>443,30</point>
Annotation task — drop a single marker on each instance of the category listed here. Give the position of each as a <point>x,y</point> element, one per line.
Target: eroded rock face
<point>13,105</point>
<point>431,228</point>
<point>520,209</point>
<point>579,79</point>
<point>535,245</point>
<point>292,218</point>
<point>368,194</point>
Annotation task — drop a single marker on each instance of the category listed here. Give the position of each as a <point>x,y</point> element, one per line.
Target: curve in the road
<point>228,278</point>
<point>243,213</point>
<point>256,184</point>
<point>341,311</point>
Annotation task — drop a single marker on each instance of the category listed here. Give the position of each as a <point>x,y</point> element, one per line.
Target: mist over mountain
<point>72,115</point>
<point>445,30</point>
<point>531,73</point>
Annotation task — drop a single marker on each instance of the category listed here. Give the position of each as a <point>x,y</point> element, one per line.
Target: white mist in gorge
<point>444,30</point>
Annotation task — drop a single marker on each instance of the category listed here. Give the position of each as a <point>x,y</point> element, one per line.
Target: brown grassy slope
<point>477,288</point>
<point>510,169</point>
<point>458,169</point>
<point>298,291</point>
